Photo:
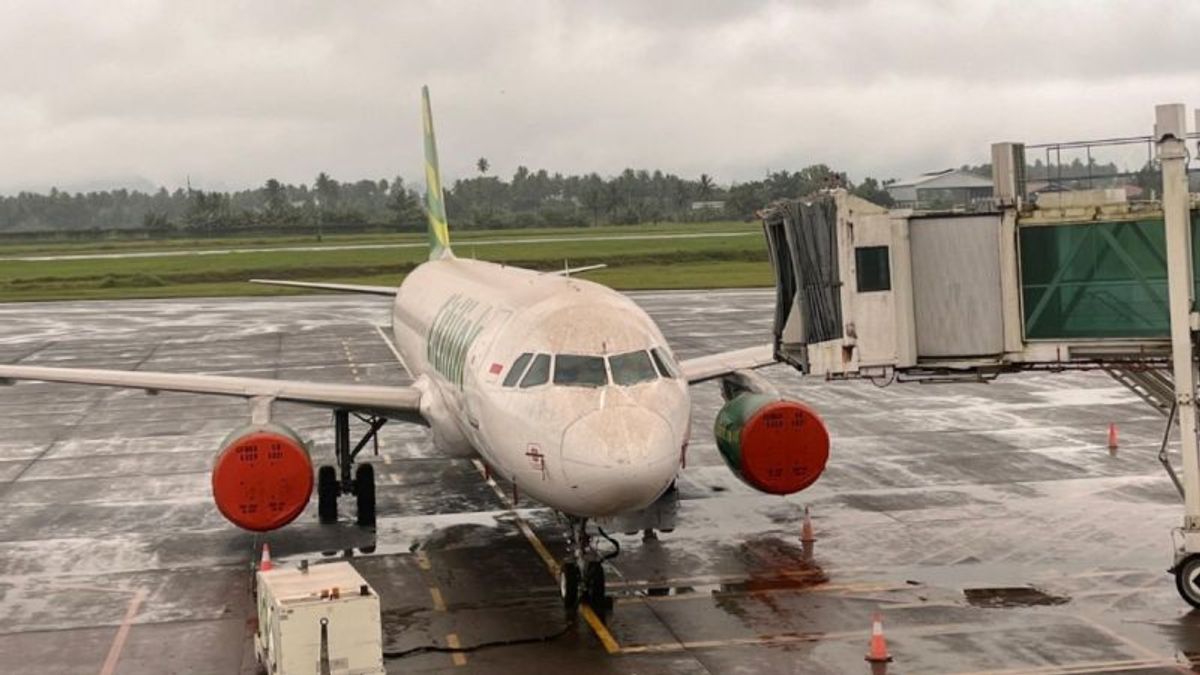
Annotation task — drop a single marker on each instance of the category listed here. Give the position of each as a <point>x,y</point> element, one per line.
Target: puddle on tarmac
<point>771,565</point>
<point>796,580</point>
<point>1017,596</point>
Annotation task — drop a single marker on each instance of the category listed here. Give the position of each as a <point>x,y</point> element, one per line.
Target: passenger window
<point>632,368</point>
<point>580,371</point>
<point>539,372</point>
<point>665,367</point>
<point>518,367</point>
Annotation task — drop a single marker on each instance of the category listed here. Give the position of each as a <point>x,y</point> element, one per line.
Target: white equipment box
<point>322,619</point>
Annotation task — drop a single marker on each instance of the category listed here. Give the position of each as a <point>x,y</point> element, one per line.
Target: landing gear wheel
<point>591,582</point>
<point>1187,579</point>
<point>364,493</point>
<point>568,585</point>
<point>327,494</point>
<point>594,577</point>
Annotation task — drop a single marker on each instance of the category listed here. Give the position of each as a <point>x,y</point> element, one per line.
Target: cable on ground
<point>439,649</point>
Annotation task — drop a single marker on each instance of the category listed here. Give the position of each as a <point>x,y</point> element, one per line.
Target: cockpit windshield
<point>631,368</point>
<point>517,370</point>
<point>666,367</point>
<point>580,371</point>
<point>539,372</point>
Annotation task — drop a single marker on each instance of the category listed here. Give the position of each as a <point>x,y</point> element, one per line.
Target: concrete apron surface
<point>988,524</point>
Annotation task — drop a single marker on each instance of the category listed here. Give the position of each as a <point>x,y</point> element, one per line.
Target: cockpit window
<point>665,367</point>
<point>631,368</point>
<point>518,367</point>
<point>538,373</point>
<point>580,371</point>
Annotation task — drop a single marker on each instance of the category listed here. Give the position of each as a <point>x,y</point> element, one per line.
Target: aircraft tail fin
<point>435,203</point>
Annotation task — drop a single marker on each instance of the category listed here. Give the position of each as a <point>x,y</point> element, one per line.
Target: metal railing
<point>1054,166</point>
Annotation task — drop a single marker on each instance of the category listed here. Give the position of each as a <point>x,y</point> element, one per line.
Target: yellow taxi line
<point>602,633</point>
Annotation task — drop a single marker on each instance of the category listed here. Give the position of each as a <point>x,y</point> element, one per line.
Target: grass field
<point>66,247</point>
<point>716,255</point>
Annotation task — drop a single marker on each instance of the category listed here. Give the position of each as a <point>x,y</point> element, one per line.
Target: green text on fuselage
<point>451,334</point>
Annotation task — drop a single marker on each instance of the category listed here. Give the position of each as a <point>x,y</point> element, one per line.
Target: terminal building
<point>949,188</point>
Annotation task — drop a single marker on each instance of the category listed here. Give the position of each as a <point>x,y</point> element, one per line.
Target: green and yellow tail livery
<point>435,203</point>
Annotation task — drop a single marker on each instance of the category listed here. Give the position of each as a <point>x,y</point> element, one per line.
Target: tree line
<point>527,199</point>
<point>326,205</point>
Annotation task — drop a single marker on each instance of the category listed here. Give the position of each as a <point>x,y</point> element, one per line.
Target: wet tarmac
<point>988,524</point>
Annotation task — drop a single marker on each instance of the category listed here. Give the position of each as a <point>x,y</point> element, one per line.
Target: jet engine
<point>262,477</point>
<point>771,443</point>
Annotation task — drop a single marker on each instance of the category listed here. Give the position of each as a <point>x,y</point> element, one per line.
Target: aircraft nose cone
<point>618,459</point>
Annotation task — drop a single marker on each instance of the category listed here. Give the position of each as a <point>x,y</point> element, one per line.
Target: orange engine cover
<point>262,477</point>
<point>774,445</point>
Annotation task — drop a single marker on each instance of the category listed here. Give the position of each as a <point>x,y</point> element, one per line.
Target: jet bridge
<point>1071,279</point>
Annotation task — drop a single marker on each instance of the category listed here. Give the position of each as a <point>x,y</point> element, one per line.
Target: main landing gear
<point>345,478</point>
<point>581,575</point>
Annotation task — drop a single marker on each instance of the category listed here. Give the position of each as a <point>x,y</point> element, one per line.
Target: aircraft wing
<point>347,288</point>
<point>396,402</point>
<point>713,366</point>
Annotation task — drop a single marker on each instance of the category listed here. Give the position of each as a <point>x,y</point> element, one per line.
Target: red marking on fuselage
<point>536,458</point>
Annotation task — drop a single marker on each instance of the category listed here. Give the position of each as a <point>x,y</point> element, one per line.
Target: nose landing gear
<point>581,575</point>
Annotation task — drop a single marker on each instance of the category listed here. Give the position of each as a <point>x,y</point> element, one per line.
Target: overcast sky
<point>231,94</point>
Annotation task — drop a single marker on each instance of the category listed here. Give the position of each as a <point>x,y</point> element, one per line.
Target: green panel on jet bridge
<point>1097,279</point>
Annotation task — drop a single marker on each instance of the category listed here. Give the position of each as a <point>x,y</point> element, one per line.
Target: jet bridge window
<point>580,371</point>
<point>632,368</point>
<point>518,368</point>
<point>872,269</point>
<point>538,373</point>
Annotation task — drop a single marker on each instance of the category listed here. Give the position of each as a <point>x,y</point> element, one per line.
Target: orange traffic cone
<point>806,532</point>
<point>1112,437</point>
<point>264,565</point>
<point>878,652</point>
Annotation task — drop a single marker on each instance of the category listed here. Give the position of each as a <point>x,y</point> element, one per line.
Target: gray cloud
<point>232,93</point>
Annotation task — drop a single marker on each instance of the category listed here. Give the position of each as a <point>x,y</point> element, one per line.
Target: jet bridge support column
<point>1170,133</point>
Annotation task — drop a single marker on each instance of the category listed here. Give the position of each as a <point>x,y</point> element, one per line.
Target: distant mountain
<point>130,183</point>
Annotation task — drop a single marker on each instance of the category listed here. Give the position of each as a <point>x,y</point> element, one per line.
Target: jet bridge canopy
<point>803,247</point>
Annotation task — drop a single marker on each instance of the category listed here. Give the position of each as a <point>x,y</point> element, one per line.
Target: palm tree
<point>483,165</point>
<point>706,186</point>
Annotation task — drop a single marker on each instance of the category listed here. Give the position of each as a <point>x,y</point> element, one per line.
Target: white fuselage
<point>582,447</point>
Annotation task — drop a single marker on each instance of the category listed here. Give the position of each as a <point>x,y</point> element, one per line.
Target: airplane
<point>563,387</point>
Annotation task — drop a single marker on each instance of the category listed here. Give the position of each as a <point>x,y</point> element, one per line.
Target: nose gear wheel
<point>582,574</point>
<point>568,585</point>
